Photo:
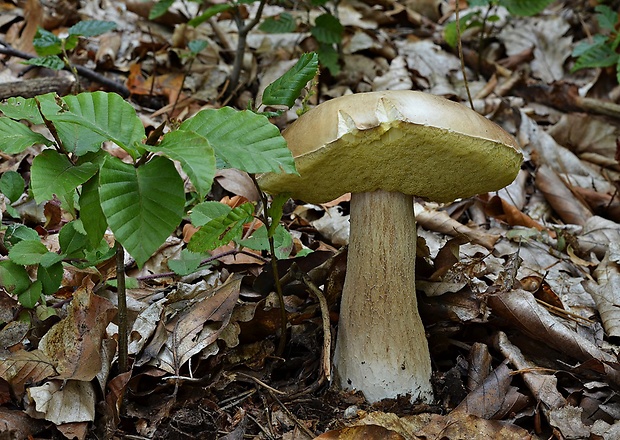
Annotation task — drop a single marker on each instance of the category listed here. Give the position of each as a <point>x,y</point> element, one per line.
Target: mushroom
<point>385,148</point>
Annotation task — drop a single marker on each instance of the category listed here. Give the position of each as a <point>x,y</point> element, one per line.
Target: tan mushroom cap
<point>403,141</point>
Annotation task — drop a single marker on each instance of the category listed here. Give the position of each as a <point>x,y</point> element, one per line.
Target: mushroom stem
<point>381,348</point>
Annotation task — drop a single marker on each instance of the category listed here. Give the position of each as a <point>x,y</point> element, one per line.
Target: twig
<point>293,417</point>
<point>243,30</point>
<point>261,383</point>
<point>327,335</point>
<point>87,73</point>
<point>274,267</point>
<point>461,58</point>
<point>122,308</point>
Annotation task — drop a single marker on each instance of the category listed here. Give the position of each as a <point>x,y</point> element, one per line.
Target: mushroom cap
<point>404,141</point>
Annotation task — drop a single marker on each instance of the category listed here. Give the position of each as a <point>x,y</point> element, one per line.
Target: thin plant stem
<point>274,268</point>
<point>122,308</point>
<point>460,49</point>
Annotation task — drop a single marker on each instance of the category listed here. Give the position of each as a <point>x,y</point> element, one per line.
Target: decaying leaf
<point>74,344</point>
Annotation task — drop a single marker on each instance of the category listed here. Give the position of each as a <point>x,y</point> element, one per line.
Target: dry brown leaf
<point>543,386</point>
<point>563,201</point>
<point>198,326</point>
<point>606,294</point>
<point>545,150</point>
<point>366,432</point>
<point>507,212</point>
<point>74,343</point>
<point>64,401</point>
<point>237,182</point>
<point>520,309</point>
<point>479,365</point>
<point>586,134</point>
<point>545,34</point>
<point>15,424</point>
<point>495,397</point>
<point>454,426</point>
<point>25,367</point>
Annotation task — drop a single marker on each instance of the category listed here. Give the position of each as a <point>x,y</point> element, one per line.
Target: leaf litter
<point>517,289</point>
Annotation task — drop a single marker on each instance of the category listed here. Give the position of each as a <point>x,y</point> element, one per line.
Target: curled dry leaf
<point>64,402</point>
<point>606,294</point>
<point>546,151</point>
<point>494,398</point>
<point>520,309</point>
<point>596,235</point>
<point>543,386</point>
<point>560,197</point>
<point>440,221</point>
<point>198,326</point>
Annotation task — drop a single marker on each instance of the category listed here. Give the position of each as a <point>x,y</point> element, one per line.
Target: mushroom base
<point>381,347</point>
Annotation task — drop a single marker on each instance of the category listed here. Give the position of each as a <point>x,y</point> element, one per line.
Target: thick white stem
<point>381,348</point>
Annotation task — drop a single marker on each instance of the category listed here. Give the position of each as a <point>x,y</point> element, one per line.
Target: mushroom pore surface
<point>403,141</point>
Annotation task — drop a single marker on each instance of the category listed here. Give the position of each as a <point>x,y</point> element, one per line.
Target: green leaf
<point>286,89</point>
<point>91,28</point>
<point>327,29</point>
<point>194,154</point>
<point>53,173</point>
<point>27,252</point>
<point>71,42</point>
<point>21,108</point>
<point>222,230</point>
<point>46,43</point>
<point>12,185</point>
<point>160,8</point>
<point>208,13</point>
<point>13,278</point>
<point>197,46</point>
<point>50,62</point>
<point>243,139</point>
<point>29,297</point>
<point>279,24</point>
<point>17,232</point>
<point>525,7</point>
<point>465,22</point>
<point>187,263</point>
<point>142,205</point>
<point>92,217</point>
<point>71,240</point>
<point>88,119</point>
<point>96,256</point>
<point>328,57</point>
<point>275,211</point>
<point>585,45</point>
<point>50,259</point>
<point>204,212</point>
<point>50,278</point>
<point>607,17</point>
<point>15,137</point>
<point>596,56</point>
<point>283,242</point>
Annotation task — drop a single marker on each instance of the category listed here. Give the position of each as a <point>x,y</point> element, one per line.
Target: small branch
<point>327,334</point>
<point>460,50</point>
<point>122,309</point>
<point>243,30</point>
<point>107,83</point>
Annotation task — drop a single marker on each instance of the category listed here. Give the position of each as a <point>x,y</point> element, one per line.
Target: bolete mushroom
<point>385,148</point>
